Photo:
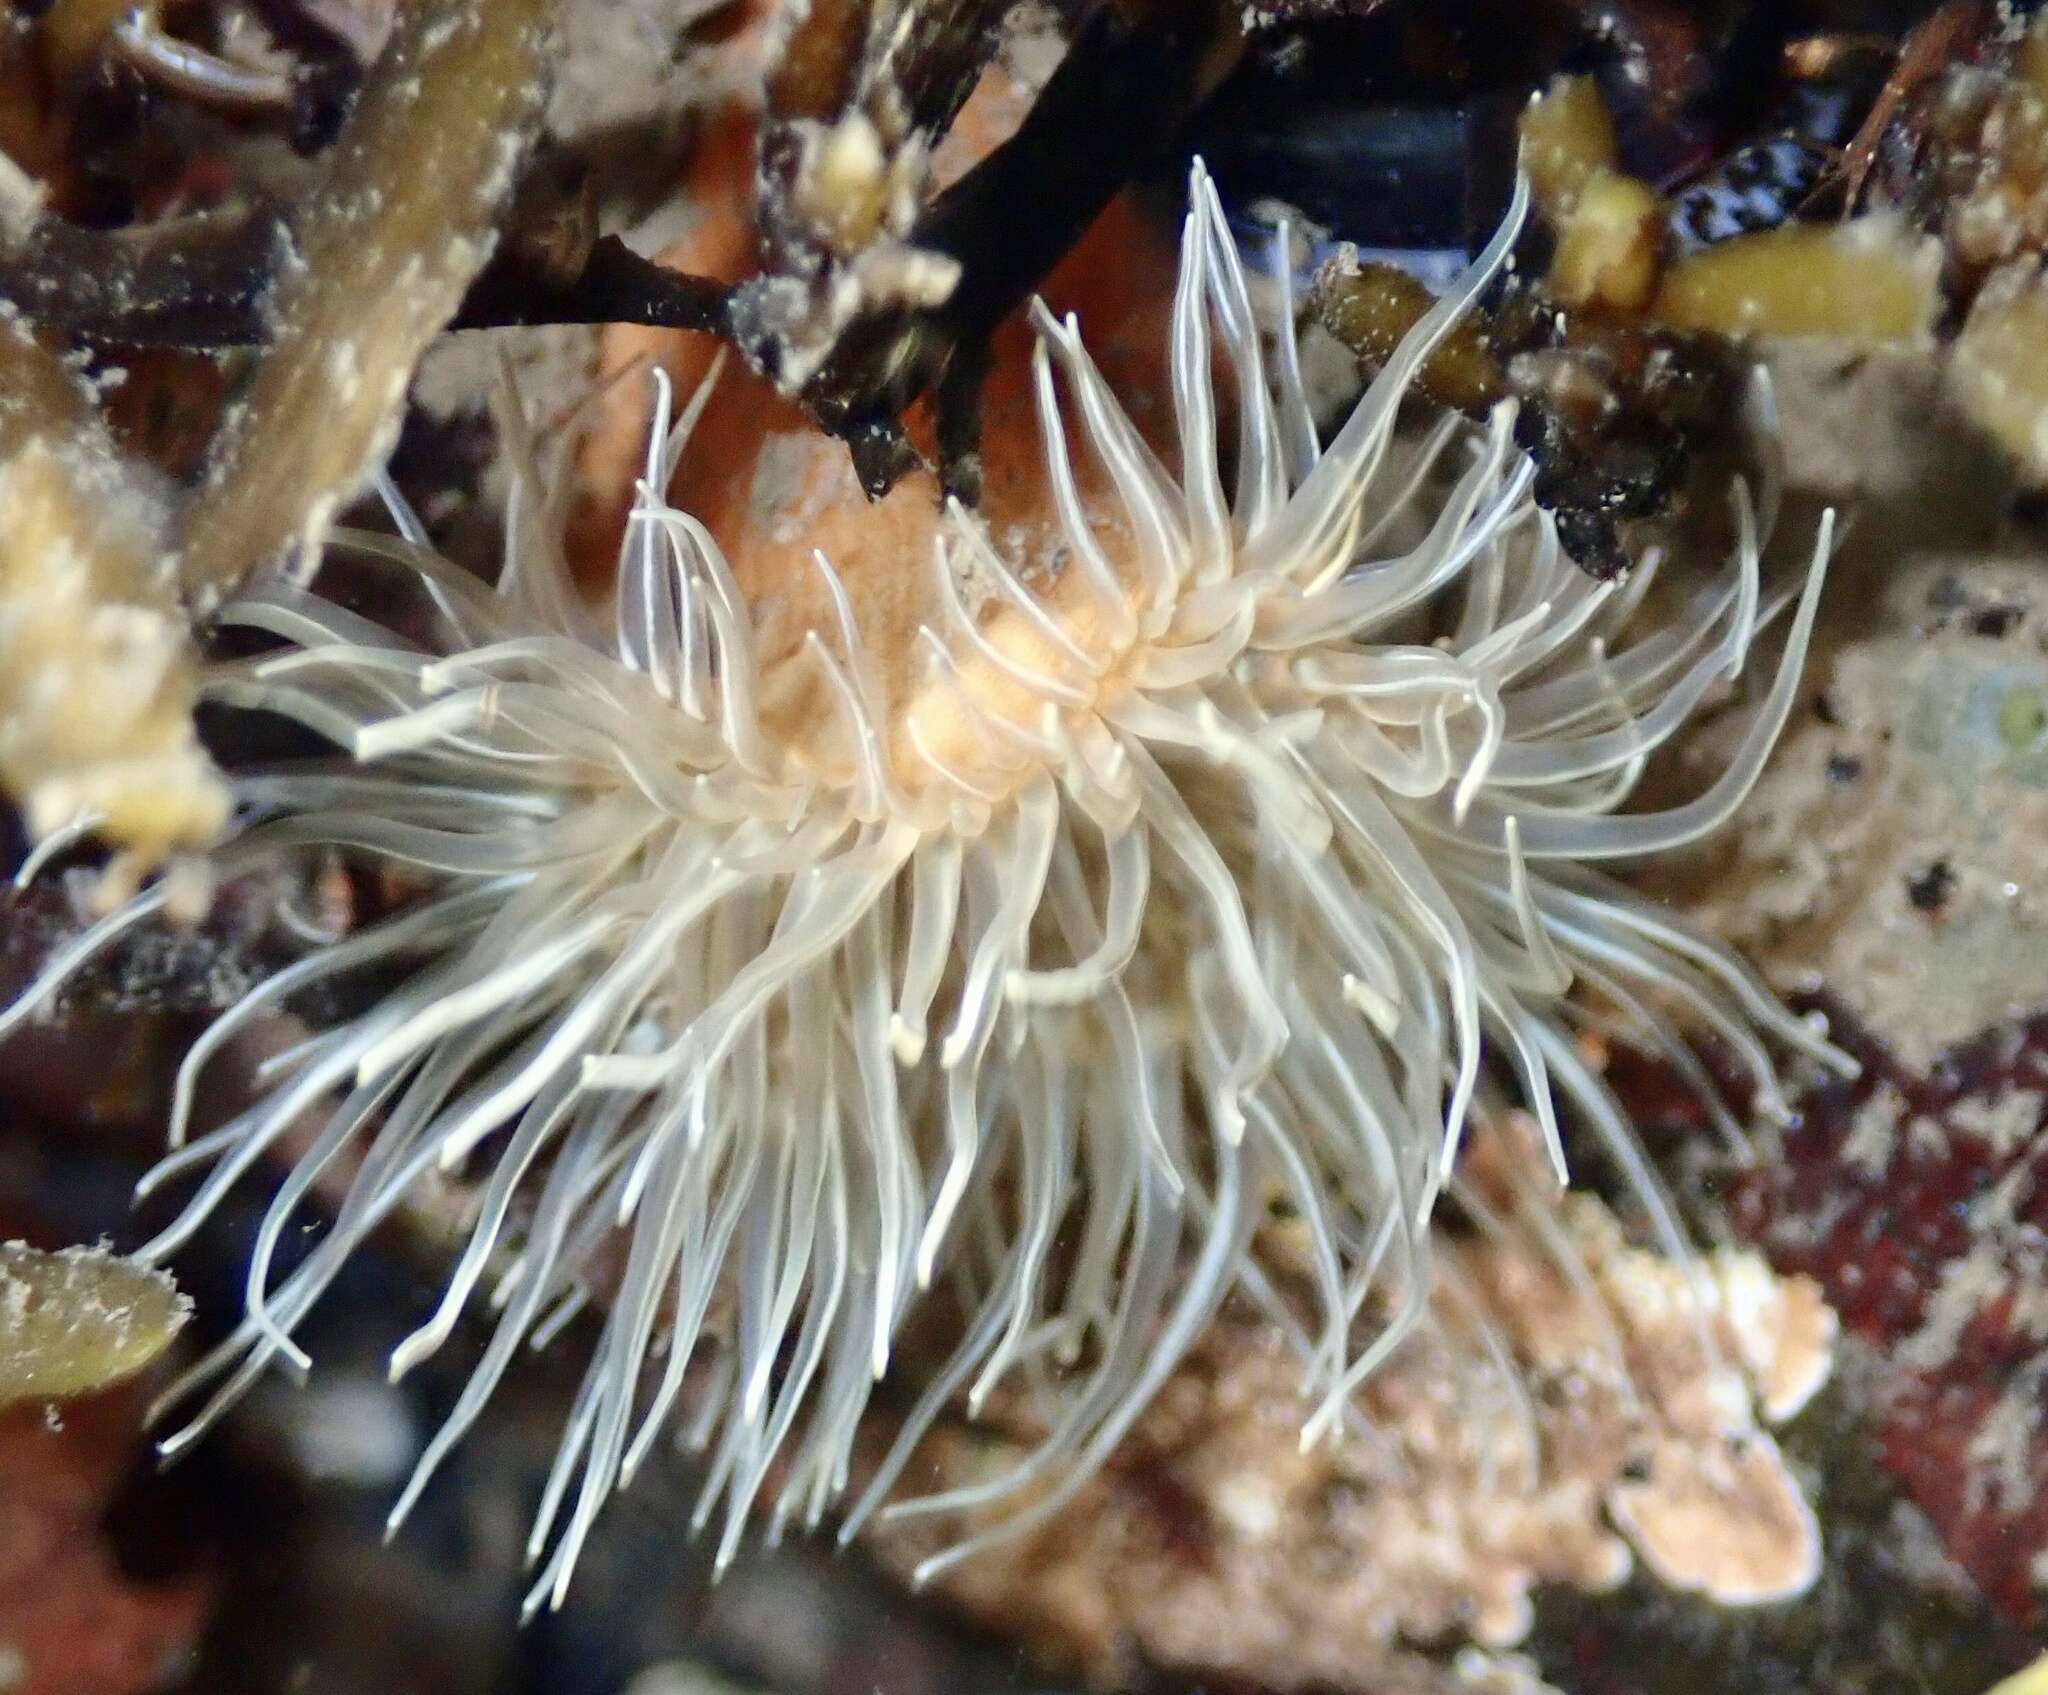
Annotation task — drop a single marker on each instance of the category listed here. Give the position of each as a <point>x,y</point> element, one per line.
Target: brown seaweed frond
<point>402,223</point>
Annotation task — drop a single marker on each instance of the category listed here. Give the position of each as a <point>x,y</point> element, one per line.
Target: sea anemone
<point>1029,923</point>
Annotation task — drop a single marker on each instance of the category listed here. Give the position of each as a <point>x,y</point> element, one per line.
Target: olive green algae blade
<point>79,1319</point>
<point>387,244</point>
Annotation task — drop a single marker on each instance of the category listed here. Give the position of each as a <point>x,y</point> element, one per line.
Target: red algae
<point>71,1622</point>
<point>1919,1202</point>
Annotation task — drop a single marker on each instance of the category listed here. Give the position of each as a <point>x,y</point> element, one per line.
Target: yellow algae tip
<point>1567,140</point>
<point>1610,244</point>
<point>1866,282</point>
<point>1996,374</point>
<point>2033,1680</point>
<point>96,674</point>
<point>79,1319</point>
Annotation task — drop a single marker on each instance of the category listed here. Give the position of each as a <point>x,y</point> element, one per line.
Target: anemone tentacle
<point>1188,875</point>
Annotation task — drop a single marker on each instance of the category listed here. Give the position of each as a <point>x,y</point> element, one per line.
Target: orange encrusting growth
<point>719,244</point>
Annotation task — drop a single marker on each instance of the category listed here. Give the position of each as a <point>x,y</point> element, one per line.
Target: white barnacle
<point>1030,927</point>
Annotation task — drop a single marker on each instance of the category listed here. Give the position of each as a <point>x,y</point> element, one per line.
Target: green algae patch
<point>2022,716</point>
<point>79,1319</point>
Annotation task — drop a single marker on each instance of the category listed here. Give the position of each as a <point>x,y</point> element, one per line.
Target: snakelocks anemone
<point>1027,915</point>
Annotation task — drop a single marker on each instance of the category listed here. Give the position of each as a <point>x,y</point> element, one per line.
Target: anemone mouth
<point>1189,879</point>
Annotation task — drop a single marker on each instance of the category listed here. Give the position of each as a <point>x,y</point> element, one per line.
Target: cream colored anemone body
<point>1030,923</point>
